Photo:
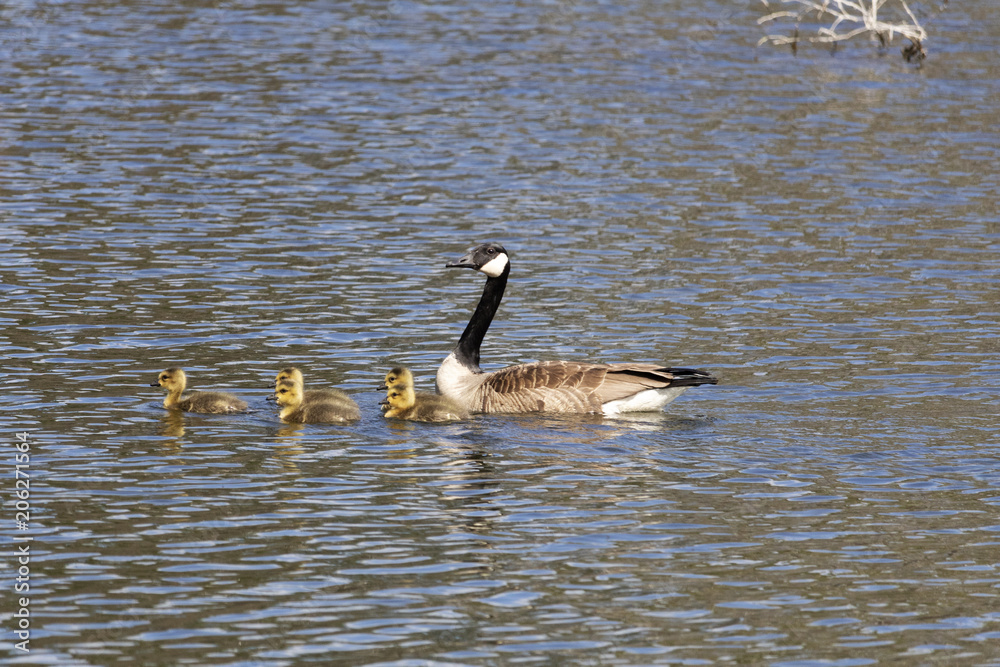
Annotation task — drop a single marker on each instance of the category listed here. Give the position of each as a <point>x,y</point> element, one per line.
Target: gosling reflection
<point>172,428</point>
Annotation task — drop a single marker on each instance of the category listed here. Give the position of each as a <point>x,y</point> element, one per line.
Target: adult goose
<point>547,386</point>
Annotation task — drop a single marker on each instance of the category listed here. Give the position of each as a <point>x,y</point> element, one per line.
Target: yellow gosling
<point>294,375</point>
<point>295,408</point>
<point>400,376</point>
<point>174,381</point>
<point>397,376</point>
<point>404,403</point>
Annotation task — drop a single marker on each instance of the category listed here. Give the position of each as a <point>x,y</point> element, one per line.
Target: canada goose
<point>174,381</point>
<point>296,408</point>
<point>403,403</point>
<point>329,395</point>
<point>547,386</point>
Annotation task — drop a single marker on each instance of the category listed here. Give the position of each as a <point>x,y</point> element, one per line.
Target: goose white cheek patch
<point>495,266</point>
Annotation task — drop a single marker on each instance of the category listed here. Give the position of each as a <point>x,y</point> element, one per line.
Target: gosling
<point>212,402</point>
<point>296,408</point>
<point>398,377</point>
<point>294,375</point>
<point>403,403</point>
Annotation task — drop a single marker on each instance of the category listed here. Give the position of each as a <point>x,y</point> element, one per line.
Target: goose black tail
<point>690,377</point>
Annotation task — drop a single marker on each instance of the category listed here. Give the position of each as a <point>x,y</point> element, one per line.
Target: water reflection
<point>172,428</point>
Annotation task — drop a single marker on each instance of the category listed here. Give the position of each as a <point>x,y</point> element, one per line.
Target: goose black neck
<point>467,350</point>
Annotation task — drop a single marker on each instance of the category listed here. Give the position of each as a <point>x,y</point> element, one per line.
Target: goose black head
<point>488,258</point>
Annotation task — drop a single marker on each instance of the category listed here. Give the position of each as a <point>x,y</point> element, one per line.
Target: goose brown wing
<point>569,386</point>
<point>546,386</point>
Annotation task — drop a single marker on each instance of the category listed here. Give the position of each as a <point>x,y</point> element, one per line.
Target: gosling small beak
<point>271,397</point>
<point>383,387</point>
<point>464,263</point>
<point>384,401</point>
<point>155,384</point>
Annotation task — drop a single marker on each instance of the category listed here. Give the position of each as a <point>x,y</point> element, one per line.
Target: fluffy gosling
<point>400,376</point>
<point>174,381</point>
<point>293,374</point>
<point>403,403</point>
<point>295,408</point>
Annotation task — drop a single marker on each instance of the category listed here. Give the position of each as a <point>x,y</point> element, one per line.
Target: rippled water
<point>240,187</point>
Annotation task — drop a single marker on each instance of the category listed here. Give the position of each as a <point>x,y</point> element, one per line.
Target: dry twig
<point>861,14</point>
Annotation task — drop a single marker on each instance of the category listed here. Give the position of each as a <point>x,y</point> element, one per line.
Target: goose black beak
<point>384,401</point>
<point>270,397</point>
<point>155,384</point>
<point>464,263</point>
<point>383,387</point>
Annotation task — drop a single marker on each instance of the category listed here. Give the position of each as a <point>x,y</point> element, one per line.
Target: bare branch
<point>856,17</point>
